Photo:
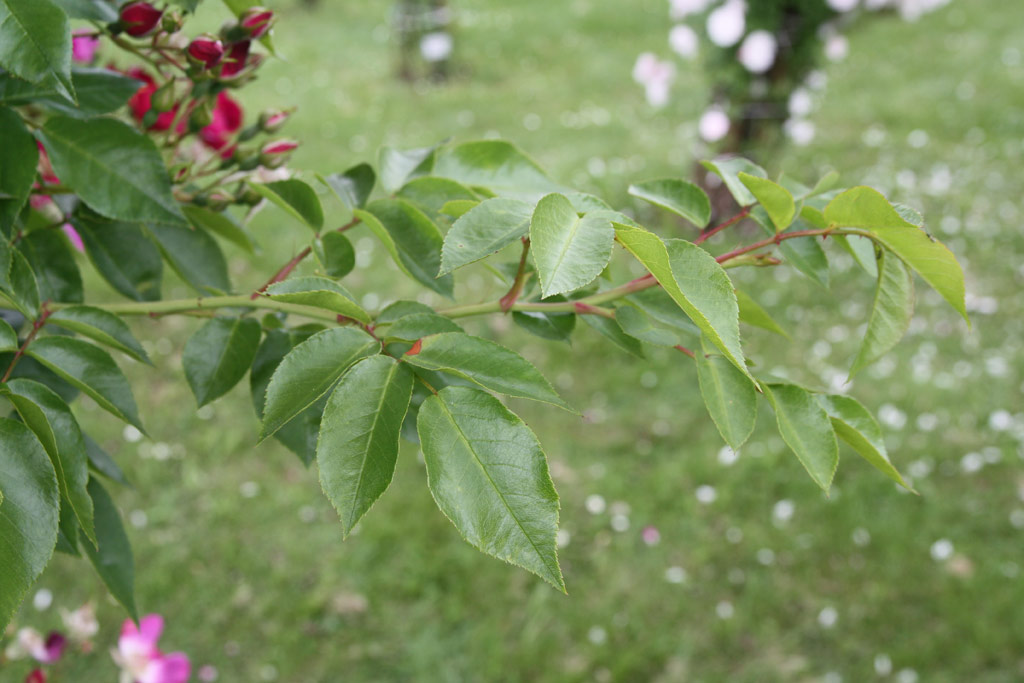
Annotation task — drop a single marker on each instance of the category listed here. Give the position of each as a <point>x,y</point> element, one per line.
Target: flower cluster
<point>136,655</point>
<point>764,62</point>
<point>80,626</point>
<point>186,103</point>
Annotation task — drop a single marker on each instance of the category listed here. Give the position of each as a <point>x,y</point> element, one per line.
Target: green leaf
<point>91,370</point>
<point>483,362</point>
<point>776,200</point>
<point>553,326</point>
<point>863,207</point>
<point>194,255</point>
<point>612,331</point>
<point>35,43</point>
<point>730,397</point>
<point>412,327</point>
<point>661,307</point>
<point>570,251</point>
<point>300,434</point>
<point>358,444</point>
<point>891,311</point>
<point>219,224</point>
<point>50,418</point>
<point>489,476</point>
<point>751,313</point>
<point>636,323</point>
<point>499,166</point>
<point>397,166</point>
<point>335,254</point>
<point>353,187</point>
<point>431,194</point>
<point>862,249</point>
<point>29,514</point>
<point>728,169</point>
<point>95,10</point>
<point>112,557</point>
<point>98,91</point>
<point>309,371</point>
<point>678,196</point>
<point>318,292</point>
<point>296,198</point>
<point>50,255</point>
<point>400,309</point>
<point>806,429</point>
<point>457,208</point>
<point>695,281</point>
<point>21,286</point>
<point>117,171</point>
<point>412,239</point>
<point>856,426</point>
<point>122,254</point>
<point>8,337</point>
<point>100,461</point>
<point>485,229</point>
<point>17,169</point>
<point>218,355</point>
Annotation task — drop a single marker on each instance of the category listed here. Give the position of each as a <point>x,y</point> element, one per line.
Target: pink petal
<point>141,640</point>
<point>76,239</point>
<point>171,668</point>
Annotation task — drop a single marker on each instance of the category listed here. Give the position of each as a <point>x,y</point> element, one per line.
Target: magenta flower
<point>139,19</point>
<point>83,47</point>
<point>256,21</point>
<point>141,661</point>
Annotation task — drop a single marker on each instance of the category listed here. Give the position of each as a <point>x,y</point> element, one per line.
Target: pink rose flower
<point>83,47</point>
<point>140,659</point>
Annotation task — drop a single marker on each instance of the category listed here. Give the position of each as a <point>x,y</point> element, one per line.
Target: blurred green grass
<point>240,552</point>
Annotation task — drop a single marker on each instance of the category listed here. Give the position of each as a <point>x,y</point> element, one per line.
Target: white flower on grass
<point>883,665</point>
<point>42,599</point>
<point>800,102</point>
<point>684,41</point>
<point>436,46</point>
<point>714,125</point>
<point>942,550</point>
<point>595,504</point>
<point>842,5</point>
<point>837,47</point>
<point>680,9</point>
<point>800,131</point>
<point>783,511</point>
<point>757,53</point>
<point>724,610</point>
<point>656,76</point>
<point>828,617</point>
<point>706,494</point>
<point>727,23</point>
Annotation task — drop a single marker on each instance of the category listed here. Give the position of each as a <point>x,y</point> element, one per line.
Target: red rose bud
<point>272,120</point>
<point>140,19</point>
<point>235,61</point>
<point>256,21</point>
<point>274,154</point>
<point>206,51</point>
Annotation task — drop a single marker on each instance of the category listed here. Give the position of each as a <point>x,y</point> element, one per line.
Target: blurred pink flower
<point>651,535</point>
<point>76,239</point>
<point>83,47</point>
<point>31,643</point>
<point>141,661</point>
<point>81,624</point>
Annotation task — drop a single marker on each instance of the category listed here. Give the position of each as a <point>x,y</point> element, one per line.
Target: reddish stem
<point>704,236</point>
<point>37,325</point>
<point>770,241</point>
<point>688,352</point>
<point>287,268</point>
<point>506,302</point>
